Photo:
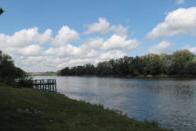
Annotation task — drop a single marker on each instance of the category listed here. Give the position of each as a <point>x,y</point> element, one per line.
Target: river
<point>170,102</point>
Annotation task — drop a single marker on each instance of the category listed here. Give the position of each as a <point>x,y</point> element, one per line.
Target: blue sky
<point>138,17</point>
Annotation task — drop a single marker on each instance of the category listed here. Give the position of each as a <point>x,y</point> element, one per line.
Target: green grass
<point>23,109</point>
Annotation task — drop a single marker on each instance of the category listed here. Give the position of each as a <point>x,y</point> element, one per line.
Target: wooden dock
<point>45,85</point>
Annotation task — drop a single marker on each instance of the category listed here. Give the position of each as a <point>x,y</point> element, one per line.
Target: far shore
<point>129,76</point>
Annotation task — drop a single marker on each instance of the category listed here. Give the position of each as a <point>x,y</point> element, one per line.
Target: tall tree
<point>8,71</point>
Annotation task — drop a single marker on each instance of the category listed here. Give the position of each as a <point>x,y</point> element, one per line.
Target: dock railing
<point>45,85</point>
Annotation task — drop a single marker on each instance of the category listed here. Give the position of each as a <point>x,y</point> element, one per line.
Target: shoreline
<point>130,77</point>
<point>27,108</point>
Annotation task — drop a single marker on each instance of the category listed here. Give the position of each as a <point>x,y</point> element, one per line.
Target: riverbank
<point>133,77</point>
<point>23,109</point>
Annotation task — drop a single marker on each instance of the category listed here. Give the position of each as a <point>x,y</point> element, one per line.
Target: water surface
<point>170,102</point>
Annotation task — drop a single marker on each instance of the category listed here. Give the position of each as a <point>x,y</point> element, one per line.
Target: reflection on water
<point>170,102</point>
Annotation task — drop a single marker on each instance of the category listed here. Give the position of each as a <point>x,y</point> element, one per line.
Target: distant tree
<point>166,62</point>
<point>191,67</point>
<point>180,60</point>
<point>104,69</point>
<point>152,64</point>
<point>89,69</point>
<point>65,71</point>
<point>138,65</point>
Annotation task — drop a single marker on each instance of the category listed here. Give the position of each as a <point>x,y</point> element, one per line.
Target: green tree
<point>152,64</point>
<point>191,67</point>
<point>8,71</point>
<point>180,60</point>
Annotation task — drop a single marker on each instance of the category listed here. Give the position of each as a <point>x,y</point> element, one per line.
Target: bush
<point>25,82</point>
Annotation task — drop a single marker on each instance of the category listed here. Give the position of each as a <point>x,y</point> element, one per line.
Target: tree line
<point>180,63</point>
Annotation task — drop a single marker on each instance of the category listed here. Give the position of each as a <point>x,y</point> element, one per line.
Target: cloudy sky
<point>43,35</point>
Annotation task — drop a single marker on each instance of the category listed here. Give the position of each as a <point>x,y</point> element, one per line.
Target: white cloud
<point>33,50</point>
<point>62,51</point>
<point>119,29</point>
<point>180,1</point>
<point>25,42</point>
<point>94,46</point>
<point>179,21</point>
<point>193,50</point>
<point>25,37</point>
<point>190,48</point>
<point>94,43</point>
<point>120,42</point>
<point>162,47</point>
<point>111,54</point>
<point>65,35</point>
<point>101,26</point>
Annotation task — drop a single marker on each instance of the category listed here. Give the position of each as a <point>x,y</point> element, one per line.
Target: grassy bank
<point>23,109</point>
